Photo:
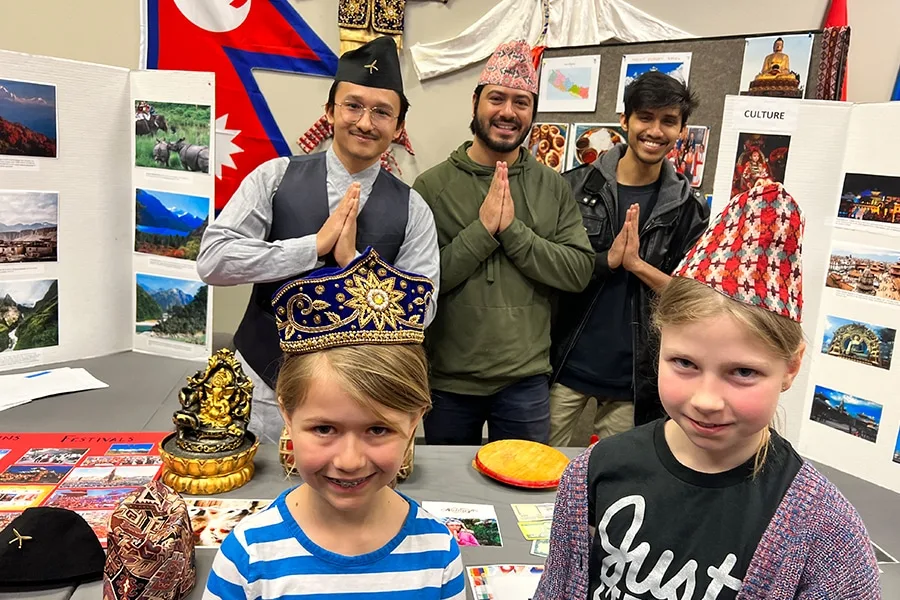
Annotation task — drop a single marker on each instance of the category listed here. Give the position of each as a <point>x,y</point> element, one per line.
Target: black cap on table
<point>47,547</point>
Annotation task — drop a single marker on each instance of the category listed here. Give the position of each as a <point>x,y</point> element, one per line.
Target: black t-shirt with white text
<point>666,531</point>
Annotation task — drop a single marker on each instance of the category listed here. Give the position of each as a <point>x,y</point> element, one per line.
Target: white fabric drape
<point>570,23</point>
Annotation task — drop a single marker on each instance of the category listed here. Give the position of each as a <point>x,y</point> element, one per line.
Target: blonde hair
<point>685,301</point>
<point>393,376</point>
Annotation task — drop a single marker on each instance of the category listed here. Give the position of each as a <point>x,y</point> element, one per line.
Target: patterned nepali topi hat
<point>47,547</point>
<point>751,252</point>
<point>149,547</point>
<point>511,66</point>
<point>367,302</point>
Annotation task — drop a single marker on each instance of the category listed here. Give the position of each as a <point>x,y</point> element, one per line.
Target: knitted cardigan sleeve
<point>815,548</point>
<point>565,573</point>
<point>841,564</point>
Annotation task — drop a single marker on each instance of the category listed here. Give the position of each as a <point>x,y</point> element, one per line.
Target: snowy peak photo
<point>169,224</point>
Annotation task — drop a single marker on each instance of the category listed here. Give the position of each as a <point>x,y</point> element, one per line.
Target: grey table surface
<point>143,394</point>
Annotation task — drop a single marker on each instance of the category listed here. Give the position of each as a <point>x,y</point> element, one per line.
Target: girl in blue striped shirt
<point>351,410</point>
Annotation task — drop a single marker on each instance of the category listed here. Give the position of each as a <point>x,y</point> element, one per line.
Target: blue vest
<point>300,208</point>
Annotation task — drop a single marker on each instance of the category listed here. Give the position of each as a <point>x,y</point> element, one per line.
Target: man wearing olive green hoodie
<point>510,235</point>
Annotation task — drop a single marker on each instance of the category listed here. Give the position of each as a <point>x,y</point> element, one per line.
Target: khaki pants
<point>566,405</point>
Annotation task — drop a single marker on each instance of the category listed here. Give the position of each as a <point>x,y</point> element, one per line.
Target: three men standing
<point>292,215</point>
<point>510,237</point>
<point>642,217</point>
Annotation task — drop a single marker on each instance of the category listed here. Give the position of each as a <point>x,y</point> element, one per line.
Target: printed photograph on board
<point>52,456</point>
<point>171,309</point>
<point>20,497</point>
<point>99,522</point>
<point>213,519</point>
<point>29,314</point>
<point>470,524</point>
<point>28,225</point>
<point>90,499</point>
<point>169,224</point>
<point>859,342</point>
<point>761,158</point>
<point>850,414</point>
<point>171,136</point>
<point>897,449</point>
<point>104,477</point>
<point>41,474</point>
<point>675,64</point>
<point>28,123</point>
<point>547,143</point>
<point>870,200</point>
<point>8,517</point>
<point>688,155</point>
<point>867,271</point>
<point>589,141</point>
<point>569,83</point>
<point>776,66</point>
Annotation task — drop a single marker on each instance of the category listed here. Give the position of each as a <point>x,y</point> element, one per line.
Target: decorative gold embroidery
<point>354,13</point>
<point>369,308</point>
<point>371,66</point>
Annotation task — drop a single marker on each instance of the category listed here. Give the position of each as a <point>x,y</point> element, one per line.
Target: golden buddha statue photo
<point>776,78</point>
<point>211,450</point>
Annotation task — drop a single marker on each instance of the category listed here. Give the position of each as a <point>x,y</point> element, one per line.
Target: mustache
<point>512,121</point>
<point>370,136</point>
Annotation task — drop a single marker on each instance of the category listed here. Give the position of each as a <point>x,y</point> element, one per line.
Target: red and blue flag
<point>231,38</point>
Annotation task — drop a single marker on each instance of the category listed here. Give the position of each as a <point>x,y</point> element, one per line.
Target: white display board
<point>68,210</point>
<point>841,410</point>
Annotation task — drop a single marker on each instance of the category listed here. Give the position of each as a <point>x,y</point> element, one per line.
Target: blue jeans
<point>520,411</point>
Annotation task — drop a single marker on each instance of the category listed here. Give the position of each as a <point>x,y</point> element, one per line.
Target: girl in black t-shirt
<point>711,502</point>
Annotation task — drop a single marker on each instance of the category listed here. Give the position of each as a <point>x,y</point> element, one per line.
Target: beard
<point>481,130</point>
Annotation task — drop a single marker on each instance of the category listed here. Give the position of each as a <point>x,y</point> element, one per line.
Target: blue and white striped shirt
<point>269,556</point>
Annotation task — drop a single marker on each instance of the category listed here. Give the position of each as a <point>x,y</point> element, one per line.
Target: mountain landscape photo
<point>29,314</point>
<point>28,225</point>
<point>173,309</point>
<point>168,224</point>
<point>27,119</point>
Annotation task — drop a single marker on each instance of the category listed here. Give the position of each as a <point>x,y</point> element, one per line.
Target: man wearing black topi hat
<point>292,215</point>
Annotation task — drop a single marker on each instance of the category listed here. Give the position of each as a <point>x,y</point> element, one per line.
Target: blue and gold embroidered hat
<point>367,302</point>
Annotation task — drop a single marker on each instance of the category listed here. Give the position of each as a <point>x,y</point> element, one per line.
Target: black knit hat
<point>47,547</point>
<point>375,64</point>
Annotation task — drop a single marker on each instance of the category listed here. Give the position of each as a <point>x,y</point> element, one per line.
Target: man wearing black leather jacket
<point>641,217</point>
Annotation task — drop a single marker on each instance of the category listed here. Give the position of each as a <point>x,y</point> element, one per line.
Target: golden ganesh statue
<point>215,407</point>
<point>776,77</point>
<point>212,450</point>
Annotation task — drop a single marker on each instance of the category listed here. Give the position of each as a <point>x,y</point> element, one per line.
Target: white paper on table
<point>22,388</point>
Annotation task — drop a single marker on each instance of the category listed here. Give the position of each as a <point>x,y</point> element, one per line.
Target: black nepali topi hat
<point>375,64</point>
<point>47,547</point>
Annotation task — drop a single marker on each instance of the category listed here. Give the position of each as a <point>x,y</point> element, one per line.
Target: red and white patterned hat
<point>511,66</point>
<point>751,252</point>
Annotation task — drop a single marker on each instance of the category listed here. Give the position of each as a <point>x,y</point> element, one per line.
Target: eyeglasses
<point>353,112</point>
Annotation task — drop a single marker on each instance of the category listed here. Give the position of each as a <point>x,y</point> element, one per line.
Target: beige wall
<point>109,32</point>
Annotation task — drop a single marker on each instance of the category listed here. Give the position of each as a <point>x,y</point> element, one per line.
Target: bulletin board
<point>715,71</point>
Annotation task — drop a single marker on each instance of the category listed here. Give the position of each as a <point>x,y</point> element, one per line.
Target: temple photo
<point>859,342</point>
<point>776,66</point>
<point>871,272</point>
<point>870,199</point>
<point>850,414</point>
